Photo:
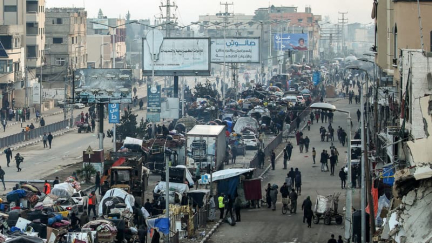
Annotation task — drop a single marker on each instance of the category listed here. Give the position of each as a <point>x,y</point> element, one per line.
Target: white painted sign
<point>179,56</point>
<point>36,93</point>
<point>237,50</point>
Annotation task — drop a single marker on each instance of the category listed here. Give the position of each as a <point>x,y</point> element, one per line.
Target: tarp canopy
<point>128,198</point>
<point>228,173</point>
<point>177,187</point>
<point>63,186</point>
<point>246,122</point>
<point>188,175</point>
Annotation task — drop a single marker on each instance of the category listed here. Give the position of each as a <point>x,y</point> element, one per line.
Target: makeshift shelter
<point>129,200</point>
<point>246,123</point>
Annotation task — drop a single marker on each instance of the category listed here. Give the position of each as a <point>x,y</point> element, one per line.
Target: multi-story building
<point>113,27</point>
<point>66,42</point>
<point>22,34</point>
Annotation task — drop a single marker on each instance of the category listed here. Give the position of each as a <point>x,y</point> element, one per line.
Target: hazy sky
<point>189,10</point>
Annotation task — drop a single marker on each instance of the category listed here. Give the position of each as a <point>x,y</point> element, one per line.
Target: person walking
<point>18,159</point>
<point>293,197</point>
<point>92,201</point>
<point>343,177</point>
<point>306,142</point>
<point>306,207</point>
<point>233,154</point>
<point>311,116</point>
<point>44,140</point>
<point>285,153</point>
<point>8,153</point>
<point>273,159</point>
<point>268,197</point>
<point>343,137</point>
<point>221,205</point>
<point>237,208</point>
<point>317,116</point>
<point>332,239</point>
<point>2,174</point>
<point>273,195</point>
<point>50,138</point>
<point>4,123</point>
<point>47,188</point>
<point>323,160</point>
<point>284,190</point>
<point>358,115</point>
<point>229,206</point>
<point>212,214</point>
<point>292,174</point>
<point>93,125</point>
<point>298,182</point>
<point>322,116</point>
<point>313,154</point>
<point>340,239</point>
<point>56,181</point>
<point>301,144</point>
<point>261,158</point>
<point>289,147</point>
<point>333,161</point>
<point>98,183</point>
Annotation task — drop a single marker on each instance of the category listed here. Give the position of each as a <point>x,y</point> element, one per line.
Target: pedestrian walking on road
<point>298,182</point>
<point>8,153</point>
<point>261,158</point>
<point>273,196</point>
<point>292,174</point>
<point>93,125</point>
<point>229,206</point>
<point>289,147</point>
<point>2,174</point>
<point>47,188</point>
<point>284,190</point>
<point>343,177</point>
<point>98,183</point>
<point>301,143</point>
<point>322,116</point>
<point>317,116</point>
<point>92,201</point>
<point>306,207</point>
<point>50,138</point>
<point>44,140</point>
<point>312,116</point>
<point>313,154</point>
<point>306,142</point>
<point>237,208</point>
<point>285,153</point>
<point>221,205</point>
<point>293,197</point>
<point>343,137</point>
<point>18,159</point>
<point>273,159</point>
<point>340,239</point>
<point>358,115</point>
<point>233,154</point>
<point>268,197</point>
<point>333,160</point>
<point>4,123</point>
<point>323,160</point>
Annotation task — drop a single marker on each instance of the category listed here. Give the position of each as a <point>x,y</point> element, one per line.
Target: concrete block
<point>410,198</point>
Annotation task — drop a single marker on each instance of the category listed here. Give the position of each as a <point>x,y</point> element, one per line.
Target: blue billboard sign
<point>286,41</point>
<point>154,98</point>
<point>316,78</point>
<point>114,113</point>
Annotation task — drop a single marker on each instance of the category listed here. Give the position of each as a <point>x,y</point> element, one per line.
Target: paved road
<point>264,225</point>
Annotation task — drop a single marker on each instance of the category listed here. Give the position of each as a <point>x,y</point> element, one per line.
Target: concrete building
<point>101,51</point>
<point>22,33</point>
<point>113,27</point>
<point>66,42</point>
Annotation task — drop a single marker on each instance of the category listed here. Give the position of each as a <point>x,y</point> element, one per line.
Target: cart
<point>326,208</point>
<point>286,205</point>
<point>83,127</point>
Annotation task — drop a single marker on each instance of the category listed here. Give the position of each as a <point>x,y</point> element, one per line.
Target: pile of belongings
<point>74,183</point>
<point>19,198</point>
<point>106,230</point>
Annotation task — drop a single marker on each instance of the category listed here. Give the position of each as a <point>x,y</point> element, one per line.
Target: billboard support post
<point>101,118</point>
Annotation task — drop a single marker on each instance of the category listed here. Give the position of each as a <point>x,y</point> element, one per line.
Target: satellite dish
<point>154,41</point>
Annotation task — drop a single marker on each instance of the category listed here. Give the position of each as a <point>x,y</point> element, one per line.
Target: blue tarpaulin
<point>160,224</point>
<point>316,78</point>
<point>228,186</point>
<point>388,175</point>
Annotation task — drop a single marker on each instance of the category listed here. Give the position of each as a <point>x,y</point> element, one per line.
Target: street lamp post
<point>348,198</point>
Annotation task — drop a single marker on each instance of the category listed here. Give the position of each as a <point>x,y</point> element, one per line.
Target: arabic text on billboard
<point>287,42</point>
<point>237,50</point>
<point>154,98</point>
<point>103,86</point>
<point>184,57</point>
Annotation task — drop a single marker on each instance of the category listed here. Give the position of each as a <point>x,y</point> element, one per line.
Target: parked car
<point>81,199</point>
<point>301,99</point>
<point>250,140</point>
<point>68,204</point>
<point>79,106</point>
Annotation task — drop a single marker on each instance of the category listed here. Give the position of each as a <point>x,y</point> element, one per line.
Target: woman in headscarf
<point>307,211</point>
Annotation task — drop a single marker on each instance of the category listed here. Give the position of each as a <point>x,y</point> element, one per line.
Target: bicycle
<point>286,205</point>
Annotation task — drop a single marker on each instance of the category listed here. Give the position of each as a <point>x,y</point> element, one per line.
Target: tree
<point>128,125</point>
<point>206,89</point>
<point>142,129</point>
<point>86,172</point>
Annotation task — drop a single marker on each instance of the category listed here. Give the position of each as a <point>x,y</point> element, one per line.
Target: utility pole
<point>225,16</point>
<point>168,18</point>
<point>342,22</point>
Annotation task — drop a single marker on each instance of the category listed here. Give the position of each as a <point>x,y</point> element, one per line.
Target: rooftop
<point>208,130</point>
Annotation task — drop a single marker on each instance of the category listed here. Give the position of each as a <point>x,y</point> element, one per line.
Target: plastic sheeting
<point>322,204</point>
<point>228,173</point>
<point>188,175</point>
<point>178,187</point>
<point>252,189</point>
<point>161,224</point>
<point>229,186</point>
<point>128,198</point>
<point>383,202</point>
<point>66,187</point>
<point>246,122</point>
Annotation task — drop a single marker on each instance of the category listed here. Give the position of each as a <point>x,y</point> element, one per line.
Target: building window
<point>60,61</point>
<point>59,21</point>
<point>31,52</point>
<point>16,42</point>
<point>6,66</point>
<point>73,40</point>
<point>32,28</point>
<point>309,19</point>
<point>10,8</point>
<point>6,41</point>
<point>57,40</point>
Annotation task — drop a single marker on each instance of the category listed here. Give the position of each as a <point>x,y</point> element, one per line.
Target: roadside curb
<point>211,231</point>
<point>37,140</point>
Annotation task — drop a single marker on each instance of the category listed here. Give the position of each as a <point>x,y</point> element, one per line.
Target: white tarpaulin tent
<point>63,190</point>
<point>228,173</point>
<point>128,198</point>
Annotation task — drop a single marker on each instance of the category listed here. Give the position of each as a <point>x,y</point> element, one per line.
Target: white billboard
<point>235,50</point>
<point>178,57</point>
<point>102,24</point>
<point>36,93</point>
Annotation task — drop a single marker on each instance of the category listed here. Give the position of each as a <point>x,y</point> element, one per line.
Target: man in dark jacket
<point>261,158</point>
<point>307,208</point>
<point>50,138</point>
<point>342,176</point>
<point>233,154</point>
<point>298,182</point>
<point>293,197</point>
<point>289,147</point>
<point>8,153</point>
<point>98,183</point>
<point>333,160</point>
<point>273,159</point>
<point>306,142</point>
<point>284,190</point>
<point>285,154</point>
<point>292,175</point>
<point>2,174</point>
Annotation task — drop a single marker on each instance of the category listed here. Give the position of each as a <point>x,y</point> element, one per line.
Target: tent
<point>188,175</point>
<point>128,198</point>
<point>246,122</point>
<point>228,173</point>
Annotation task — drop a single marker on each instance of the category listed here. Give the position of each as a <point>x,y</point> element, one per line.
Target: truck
<point>207,146</point>
<point>127,173</point>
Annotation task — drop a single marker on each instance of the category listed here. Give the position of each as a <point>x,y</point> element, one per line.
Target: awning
<point>228,173</point>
